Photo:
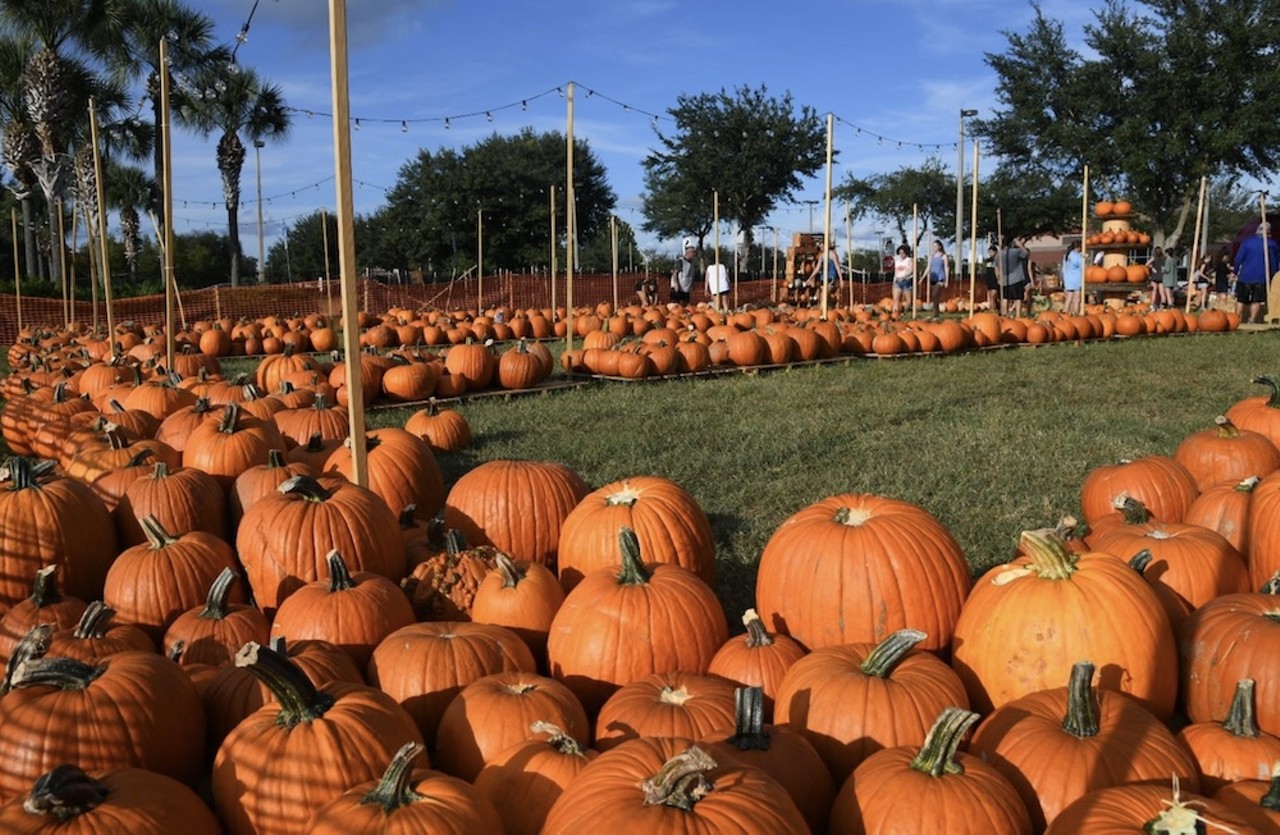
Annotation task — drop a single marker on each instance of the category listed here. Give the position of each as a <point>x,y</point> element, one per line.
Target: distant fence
<point>517,291</point>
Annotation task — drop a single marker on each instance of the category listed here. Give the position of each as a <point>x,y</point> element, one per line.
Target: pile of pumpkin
<point>205,630</point>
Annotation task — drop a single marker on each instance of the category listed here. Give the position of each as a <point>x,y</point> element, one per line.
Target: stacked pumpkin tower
<point>1116,241</point>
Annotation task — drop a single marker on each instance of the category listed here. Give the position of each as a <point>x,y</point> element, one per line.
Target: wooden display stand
<point>802,257</point>
<point>1115,255</point>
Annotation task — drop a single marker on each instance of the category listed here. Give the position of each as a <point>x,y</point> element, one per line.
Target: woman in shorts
<point>904,278</point>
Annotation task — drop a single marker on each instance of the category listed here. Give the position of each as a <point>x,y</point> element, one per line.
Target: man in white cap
<point>684,273</point>
<point>1255,262</point>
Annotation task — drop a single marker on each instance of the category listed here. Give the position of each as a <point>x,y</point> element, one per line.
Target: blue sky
<point>897,69</point>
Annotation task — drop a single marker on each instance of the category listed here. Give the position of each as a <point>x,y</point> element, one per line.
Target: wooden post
<point>848,251</point>
<point>328,281</point>
<point>825,257</point>
<point>217,304</point>
<point>1195,248</point>
<point>1266,253</point>
<point>17,275</point>
<point>69,301</point>
<point>715,215</point>
<point>570,222</point>
<point>347,238</point>
<point>774,284</point>
<point>1084,237</point>
<point>166,138</point>
<point>613,243</point>
<point>554,247</point>
<point>915,259</point>
<point>93,265</point>
<point>479,262</point>
<point>973,233</point>
<point>104,258</point>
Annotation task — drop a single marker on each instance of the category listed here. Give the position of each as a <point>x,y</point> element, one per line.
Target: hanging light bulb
<point>404,126</point>
<point>357,124</point>
<point>446,122</point>
<point>524,105</point>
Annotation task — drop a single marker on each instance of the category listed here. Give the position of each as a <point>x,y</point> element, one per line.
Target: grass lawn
<point>991,443</point>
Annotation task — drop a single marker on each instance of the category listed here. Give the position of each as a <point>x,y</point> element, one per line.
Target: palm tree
<point>18,148</point>
<point>128,188</point>
<point>192,53</point>
<point>235,104</point>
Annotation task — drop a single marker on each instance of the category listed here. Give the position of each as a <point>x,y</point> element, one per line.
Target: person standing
<point>1013,278</point>
<point>991,279</point>
<point>1073,280</point>
<point>718,286</point>
<point>1158,264</point>
<point>939,275</point>
<point>904,278</point>
<point>1222,273</point>
<point>1201,281</point>
<point>684,273</point>
<point>1256,256</point>
<point>828,265</point>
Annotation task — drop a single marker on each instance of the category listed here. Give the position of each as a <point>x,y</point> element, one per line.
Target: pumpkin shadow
<point>735,580</point>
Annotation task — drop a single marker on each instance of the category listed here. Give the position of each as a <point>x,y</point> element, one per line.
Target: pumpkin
<point>46,605</point>
<point>524,597</point>
<point>1145,808</point>
<point>226,446</point>
<point>850,701</point>
<point>259,481</point>
<point>284,539</point>
<point>1256,800</point>
<point>518,507</point>
<point>651,618</point>
<point>524,781</point>
<point>161,733</point>
<point>473,362</point>
<point>276,367</point>
<point>1259,414</point>
<point>1094,605</point>
<point>407,800</point>
<point>151,584</point>
<point>425,665</point>
<point>290,757</point>
<point>443,585</point>
<point>757,659</point>
<point>1234,637</point>
<point>672,785</point>
<point>444,430</point>
<point>401,469</point>
<point>329,421</point>
<point>95,636</point>
<point>49,520</point>
<point>354,612</point>
<point>1225,508</point>
<point>665,704</point>
<point>410,381</point>
<point>1263,531</point>
<point>1233,749</point>
<point>494,712</point>
<point>314,453</point>
<point>669,523</point>
<point>213,633</point>
<point>777,750</point>
<point>1058,745</point>
<point>133,800</point>
<point>930,789</point>
<point>1159,482</point>
<point>828,572</point>
<point>111,485</point>
<point>1226,453</point>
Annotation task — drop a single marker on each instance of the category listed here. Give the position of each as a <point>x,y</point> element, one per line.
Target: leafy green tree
<point>431,222</point>
<point>750,147</point>
<point>1172,90</point>
<point>304,251</point>
<point>231,105</point>
<point>896,197</point>
<point>1022,203</point>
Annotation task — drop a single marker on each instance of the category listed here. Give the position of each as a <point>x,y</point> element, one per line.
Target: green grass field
<point>991,443</point>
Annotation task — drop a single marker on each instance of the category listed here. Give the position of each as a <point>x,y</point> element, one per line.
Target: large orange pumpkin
<point>1234,637</point>
<point>524,781</point>
<point>1159,482</point>
<point>1226,453</point>
<point>1148,808</point>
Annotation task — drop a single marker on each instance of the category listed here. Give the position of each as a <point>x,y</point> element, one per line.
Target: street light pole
<point>811,204</point>
<point>262,257</point>
<point>960,187</point>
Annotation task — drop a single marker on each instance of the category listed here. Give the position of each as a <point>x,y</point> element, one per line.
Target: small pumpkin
<point>524,781</point>
<point>1235,748</point>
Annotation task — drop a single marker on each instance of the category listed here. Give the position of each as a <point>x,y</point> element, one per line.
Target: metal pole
<point>571,229</point>
<point>973,234</point>
<point>825,259</point>
<point>960,186</point>
<point>553,252</point>
<point>262,248</point>
<point>479,262</point>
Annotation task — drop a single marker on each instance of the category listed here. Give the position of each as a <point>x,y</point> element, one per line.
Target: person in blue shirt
<point>1255,263</point>
<point>828,262</point>
<point>1072,278</point>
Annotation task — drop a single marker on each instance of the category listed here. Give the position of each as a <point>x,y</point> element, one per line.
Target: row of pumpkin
<point>634,641</point>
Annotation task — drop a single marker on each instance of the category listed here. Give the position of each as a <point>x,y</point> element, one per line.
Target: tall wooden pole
<point>1266,254</point>
<point>848,251</point>
<point>715,215</point>
<point>570,223</point>
<point>166,137</point>
<point>479,262</point>
<point>347,238</point>
<point>824,259</point>
<point>328,282</point>
<point>915,259</point>
<point>1192,267</point>
<point>554,247</point>
<point>93,265</point>
<point>1084,237</point>
<point>17,275</point>
<point>69,302</point>
<point>775,264</point>
<point>613,243</point>
<point>973,234</point>
<point>104,256</point>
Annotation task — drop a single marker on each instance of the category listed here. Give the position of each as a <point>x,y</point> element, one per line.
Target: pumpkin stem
<point>1247,485</point>
<point>1271,800</point>
<point>626,496</point>
<point>1270,382</point>
<point>63,673</point>
<point>1272,586</point>
<point>307,487</point>
<point>64,793</point>
<point>140,457</point>
<point>1180,818</point>
<point>94,622</point>
<point>511,573</point>
<point>154,530</point>
<point>339,575</point>
<point>299,699</point>
<point>25,472</point>
<point>681,782</point>
<point>408,516</point>
<point>455,542</point>
<point>230,421</point>
<point>215,604</point>
<point>937,755</point>
<point>395,789</point>
<point>275,459</point>
<point>1141,560</point>
<point>557,738</point>
<point>1048,553</point>
<point>748,720</point>
<point>33,645</point>
<point>1241,720</point>
<point>1226,429</point>
<point>44,591</point>
<point>1069,527</point>
<point>1081,720</point>
<point>175,651</point>
<point>1133,511</point>
<point>756,635</point>
<point>852,518</point>
<point>881,661</point>
<point>633,572</point>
